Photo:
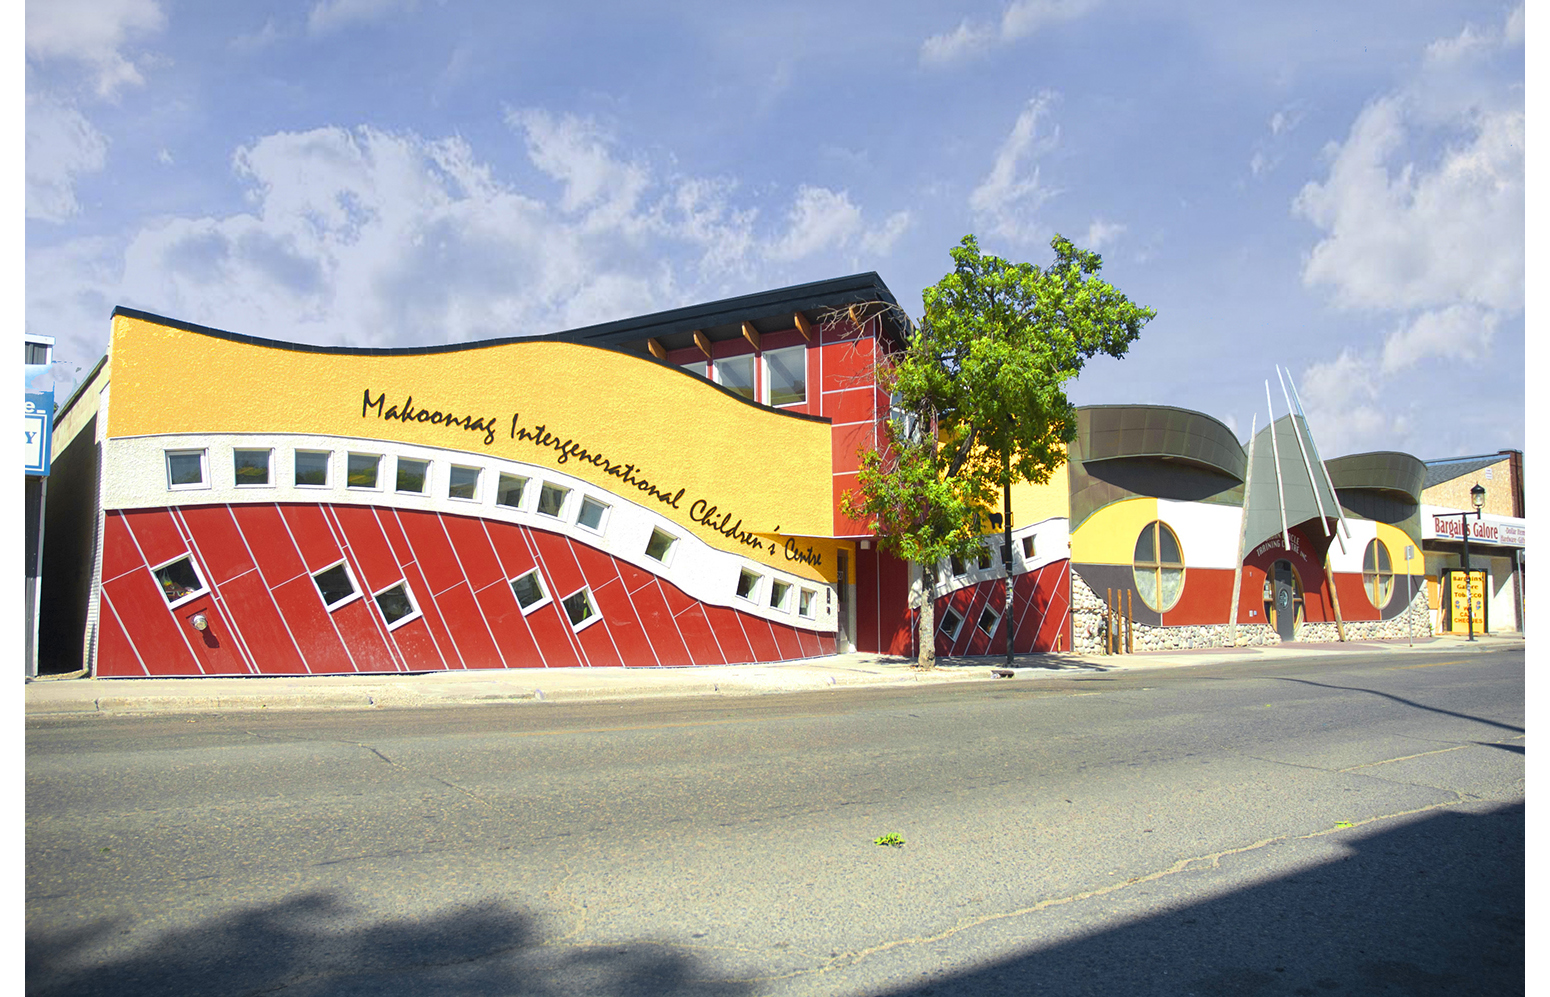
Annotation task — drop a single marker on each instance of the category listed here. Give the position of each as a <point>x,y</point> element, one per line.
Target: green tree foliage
<point>982,380</point>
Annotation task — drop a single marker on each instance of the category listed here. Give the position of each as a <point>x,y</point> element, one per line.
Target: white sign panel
<point>1438,523</point>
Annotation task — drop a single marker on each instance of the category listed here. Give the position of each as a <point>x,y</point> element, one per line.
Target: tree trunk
<point>926,635</point>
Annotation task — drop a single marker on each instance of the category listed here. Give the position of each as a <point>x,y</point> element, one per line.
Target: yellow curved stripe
<point>722,469</point>
<point>1109,535</point>
<point>1395,539</point>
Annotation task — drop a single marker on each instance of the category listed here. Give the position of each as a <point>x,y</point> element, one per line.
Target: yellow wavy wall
<point>1109,535</point>
<point>688,439</point>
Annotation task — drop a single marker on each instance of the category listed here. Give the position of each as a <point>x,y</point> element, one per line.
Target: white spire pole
<point>1275,448</point>
<point>1304,451</point>
<point>1315,444</point>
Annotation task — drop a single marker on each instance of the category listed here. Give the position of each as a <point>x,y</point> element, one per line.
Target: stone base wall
<point>1088,622</point>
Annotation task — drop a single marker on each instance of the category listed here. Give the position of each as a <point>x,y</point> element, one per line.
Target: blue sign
<point>39,430</point>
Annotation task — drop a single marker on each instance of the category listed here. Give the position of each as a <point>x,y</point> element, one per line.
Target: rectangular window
<point>336,585</point>
<point>397,605</point>
<point>779,592</point>
<point>951,623</point>
<point>529,590</point>
<point>737,375</point>
<point>312,468</point>
<point>508,491</point>
<point>748,585</point>
<point>786,371</point>
<point>1028,547</point>
<point>37,353</point>
<point>551,499</point>
<point>698,367</point>
<point>958,567</point>
<point>361,470</point>
<point>805,599</point>
<point>412,475</point>
<point>186,469</point>
<point>580,609</point>
<point>988,620</point>
<point>660,546</point>
<point>179,581</point>
<point>463,483</point>
<point>983,561</point>
<point>250,467</point>
<point>592,514</point>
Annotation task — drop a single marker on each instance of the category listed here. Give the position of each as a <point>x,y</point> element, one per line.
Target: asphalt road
<point>1335,826</point>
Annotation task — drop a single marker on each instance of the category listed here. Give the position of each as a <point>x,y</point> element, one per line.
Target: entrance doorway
<point>844,642</point>
<point>1287,596</point>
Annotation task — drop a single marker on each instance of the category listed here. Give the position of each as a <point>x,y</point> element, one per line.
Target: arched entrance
<point>1286,596</point>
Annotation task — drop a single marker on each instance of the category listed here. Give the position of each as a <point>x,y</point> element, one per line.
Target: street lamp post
<point>1477,497</point>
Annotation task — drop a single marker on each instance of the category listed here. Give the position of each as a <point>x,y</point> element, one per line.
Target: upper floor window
<point>186,469</point>
<point>738,374</point>
<point>463,483</point>
<point>312,468</point>
<point>412,475</point>
<point>785,372</point>
<point>250,467</point>
<point>361,470</point>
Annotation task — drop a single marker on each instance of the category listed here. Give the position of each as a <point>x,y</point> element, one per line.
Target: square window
<point>786,371</point>
<point>463,483</point>
<point>580,609</point>
<point>361,470</point>
<point>988,620</point>
<point>982,561</point>
<point>179,581</point>
<point>185,469</point>
<point>312,468</point>
<point>951,622</point>
<point>397,605</point>
<point>660,546</point>
<point>805,600</point>
<point>592,513</point>
<point>412,475</point>
<point>747,585</point>
<point>779,591</point>
<point>958,567</point>
<point>737,374</point>
<point>508,491</point>
<point>529,590</point>
<point>250,467</point>
<point>551,499</point>
<point>336,585</point>
<point>1028,547</point>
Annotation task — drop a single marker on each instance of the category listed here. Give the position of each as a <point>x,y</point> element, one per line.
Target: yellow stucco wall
<point>1109,535</point>
<point>1396,540</point>
<point>764,468</point>
<point>1036,503</point>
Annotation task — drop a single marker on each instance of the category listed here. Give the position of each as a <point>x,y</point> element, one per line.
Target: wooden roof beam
<point>751,334</point>
<point>657,349</point>
<point>804,326</point>
<point>703,342</point>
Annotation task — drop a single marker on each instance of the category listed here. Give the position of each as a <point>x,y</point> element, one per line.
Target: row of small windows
<point>252,467</point>
<point>773,377</point>
<point>983,562</point>
<point>750,587</point>
<point>952,622</point>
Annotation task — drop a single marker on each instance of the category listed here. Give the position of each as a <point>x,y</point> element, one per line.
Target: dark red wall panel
<point>661,628</point>
<point>624,626</point>
<point>115,655</point>
<point>138,601</point>
<point>270,542</point>
<point>729,634</point>
<point>560,565</point>
<point>554,636</point>
<point>474,552</point>
<point>220,543</point>
<point>432,551</point>
<point>417,647</point>
<point>509,627</point>
<point>363,633</point>
<point>511,547</point>
<point>698,635</point>
<point>469,631</point>
<point>259,624</point>
<point>314,538</point>
<point>156,533</point>
<point>761,638</point>
<point>309,622</point>
<point>369,546</point>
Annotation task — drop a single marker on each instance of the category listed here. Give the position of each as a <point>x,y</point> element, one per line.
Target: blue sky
<point>1337,188</point>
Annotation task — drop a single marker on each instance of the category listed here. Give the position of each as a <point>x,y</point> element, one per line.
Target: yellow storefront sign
<point>1464,593</point>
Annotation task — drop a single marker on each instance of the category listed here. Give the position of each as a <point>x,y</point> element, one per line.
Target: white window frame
<point>1030,547</point>
<point>764,373</point>
<point>979,624</point>
<point>757,379</point>
<point>414,604</point>
<point>544,600</point>
<point>328,468</point>
<point>236,482</point>
<point>204,469</point>
<point>785,597</point>
<point>951,634</point>
<point>425,485</point>
<point>375,486</point>
<point>565,500</point>
<point>478,483</point>
<point>811,612</point>
<point>666,559</point>
<point>602,523</point>
<point>204,586</point>
<point>354,583</point>
<point>521,503</point>
<point>597,614</point>
<point>758,585</point>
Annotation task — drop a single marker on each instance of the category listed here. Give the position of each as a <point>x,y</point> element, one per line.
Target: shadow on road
<point>1406,702</point>
<point>300,947</point>
<point>1430,909</point>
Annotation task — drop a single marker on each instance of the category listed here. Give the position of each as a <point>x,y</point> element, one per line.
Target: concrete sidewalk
<point>79,695</point>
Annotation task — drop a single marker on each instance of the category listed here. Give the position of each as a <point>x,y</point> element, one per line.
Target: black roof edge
<point>238,337</point>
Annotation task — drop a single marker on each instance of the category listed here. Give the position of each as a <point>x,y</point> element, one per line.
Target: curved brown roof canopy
<point>1396,474</point>
<point>1110,432</point>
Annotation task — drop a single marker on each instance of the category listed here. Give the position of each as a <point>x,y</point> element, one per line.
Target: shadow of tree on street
<point>1433,908</point>
<point>300,947</point>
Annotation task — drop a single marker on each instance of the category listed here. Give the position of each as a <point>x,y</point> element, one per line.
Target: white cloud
<point>331,15</point>
<point>61,146</point>
<point>1020,19</point>
<point>1457,332</point>
<point>92,33</point>
<point>1005,201</point>
<point>368,237</point>
<point>1100,233</point>
<point>1341,400</point>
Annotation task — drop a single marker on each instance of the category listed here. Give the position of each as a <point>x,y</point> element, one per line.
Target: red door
<point>214,646</point>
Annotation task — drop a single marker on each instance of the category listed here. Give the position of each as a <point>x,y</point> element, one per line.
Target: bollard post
<point>1130,621</point>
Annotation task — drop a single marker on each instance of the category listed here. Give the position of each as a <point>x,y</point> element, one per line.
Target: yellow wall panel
<point>1109,535</point>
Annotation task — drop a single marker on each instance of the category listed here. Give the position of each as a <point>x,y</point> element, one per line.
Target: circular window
<point>1159,567</point>
<point>1378,574</point>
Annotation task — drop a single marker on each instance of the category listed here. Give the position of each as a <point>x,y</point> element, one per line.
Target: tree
<point>982,379</point>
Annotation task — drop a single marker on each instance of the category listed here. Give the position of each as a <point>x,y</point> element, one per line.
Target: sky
<point>1336,189</point>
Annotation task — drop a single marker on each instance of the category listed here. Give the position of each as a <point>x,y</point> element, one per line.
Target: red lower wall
<point>266,617</point>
